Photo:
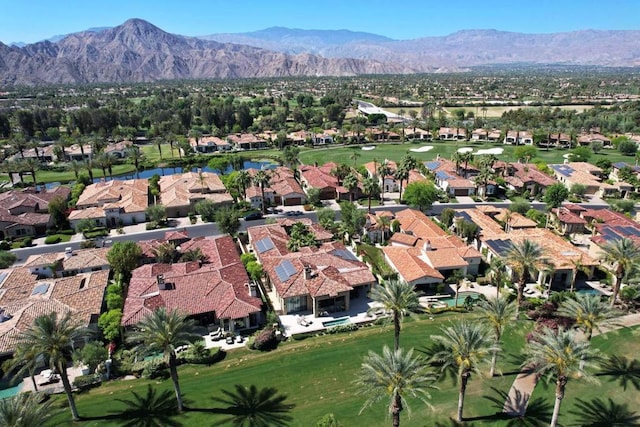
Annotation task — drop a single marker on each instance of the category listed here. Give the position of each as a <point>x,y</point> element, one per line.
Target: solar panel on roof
<point>264,245</point>
<point>42,288</point>
<point>432,165</point>
<point>464,215</point>
<point>345,254</point>
<point>3,276</point>
<point>288,267</point>
<point>285,270</point>
<point>442,175</point>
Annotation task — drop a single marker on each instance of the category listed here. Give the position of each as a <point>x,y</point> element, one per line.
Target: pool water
<point>336,322</point>
<point>589,291</point>
<point>10,391</point>
<point>451,302</point>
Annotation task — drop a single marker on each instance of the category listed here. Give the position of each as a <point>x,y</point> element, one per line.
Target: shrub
<point>84,382</point>
<point>350,327</point>
<point>67,232</point>
<point>266,340</point>
<point>4,245</point>
<point>50,240</point>
<point>28,241</point>
<point>156,368</point>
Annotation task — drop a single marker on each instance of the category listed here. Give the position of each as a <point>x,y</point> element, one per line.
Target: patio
<point>305,322</point>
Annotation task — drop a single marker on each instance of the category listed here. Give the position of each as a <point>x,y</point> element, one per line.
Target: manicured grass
<point>317,376</point>
<point>446,149</point>
<point>63,237</point>
<point>67,176</point>
<point>374,256</point>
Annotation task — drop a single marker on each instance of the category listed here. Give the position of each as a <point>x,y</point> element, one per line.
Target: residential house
<point>514,137</point>
<point>378,225</point>
<point>558,140</point>
<point>246,141</point>
<point>283,189</point>
<point>113,203</point>
<point>424,254</point>
<point>24,296</point>
<point>26,212</point>
<point>214,291</point>
<point>316,279</point>
<point>322,138</point>
<point>119,150</point>
<point>567,219</point>
<point>616,167</point>
<point>68,263</point>
<point>480,135</point>
<point>387,183</point>
<point>180,193</point>
<point>209,144</point>
<point>412,133</point>
<point>322,177</point>
<point>447,178</point>
<point>591,177</point>
<point>452,134</point>
<point>591,137</point>
<point>524,177</point>
<point>609,226</point>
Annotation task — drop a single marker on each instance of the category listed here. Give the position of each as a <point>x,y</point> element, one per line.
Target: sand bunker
<point>465,150</point>
<point>369,147</point>
<point>496,150</point>
<point>422,149</point>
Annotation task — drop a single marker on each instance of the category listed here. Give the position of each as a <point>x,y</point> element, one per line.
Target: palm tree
<point>23,362</point>
<point>497,274</point>
<point>31,165</point>
<point>262,179</point>
<point>76,167</point>
<point>350,182</point>
<point>394,375</point>
<point>559,356</point>
<point>524,257</point>
<point>135,156</point>
<point>577,267</point>
<point>164,331</point>
<point>624,256</point>
<point>497,313</point>
<point>370,187</point>
<point>255,408</point>
<point>50,338</point>
<point>354,156</point>
<point>243,180</point>
<point>383,170</point>
<point>158,141</point>
<point>25,410</point>
<point>589,312</point>
<point>398,297</point>
<point>401,174</point>
<point>464,347</point>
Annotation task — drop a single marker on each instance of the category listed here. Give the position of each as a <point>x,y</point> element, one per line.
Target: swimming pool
<point>10,391</point>
<point>451,301</point>
<point>590,291</point>
<point>336,322</point>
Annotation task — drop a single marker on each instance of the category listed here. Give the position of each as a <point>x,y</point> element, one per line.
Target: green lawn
<point>396,151</point>
<point>53,176</point>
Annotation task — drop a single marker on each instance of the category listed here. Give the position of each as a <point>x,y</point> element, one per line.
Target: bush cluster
<point>265,340</point>
<point>338,329</point>
<point>50,240</point>
<point>155,369</point>
<point>84,382</point>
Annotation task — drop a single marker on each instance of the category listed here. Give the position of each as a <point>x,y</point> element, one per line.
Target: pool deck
<point>295,323</point>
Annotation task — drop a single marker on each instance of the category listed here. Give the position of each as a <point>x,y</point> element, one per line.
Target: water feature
<point>336,322</point>
<point>451,301</point>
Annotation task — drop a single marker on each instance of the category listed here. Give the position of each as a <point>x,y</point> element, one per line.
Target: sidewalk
<point>525,383</point>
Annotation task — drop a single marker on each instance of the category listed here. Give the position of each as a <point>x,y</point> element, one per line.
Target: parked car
<point>253,216</point>
<point>294,213</point>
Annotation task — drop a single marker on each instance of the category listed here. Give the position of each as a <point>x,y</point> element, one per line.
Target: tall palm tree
<point>164,331</point>
<point>255,408</point>
<point>262,179</point>
<point>559,356</point>
<point>497,313</point>
<point>578,266</point>
<point>25,410</point>
<point>497,274</point>
<point>394,375</point>
<point>398,297</point>
<point>401,174</point>
<point>31,165</point>
<point>589,312</point>
<point>135,156</point>
<point>23,362</point>
<point>370,187</point>
<point>383,170</point>
<point>50,338</point>
<point>523,258</point>
<point>354,156</point>
<point>465,347</point>
<point>76,167</point>
<point>243,180</point>
<point>624,256</point>
<point>350,182</point>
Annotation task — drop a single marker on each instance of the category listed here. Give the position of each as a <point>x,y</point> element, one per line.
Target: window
<point>294,304</point>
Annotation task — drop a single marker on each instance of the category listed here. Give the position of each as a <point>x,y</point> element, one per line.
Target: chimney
<point>253,292</point>
<point>426,246</point>
<point>161,283</point>
<point>308,274</point>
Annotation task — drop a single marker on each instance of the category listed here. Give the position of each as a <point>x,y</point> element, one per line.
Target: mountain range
<point>137,51</point>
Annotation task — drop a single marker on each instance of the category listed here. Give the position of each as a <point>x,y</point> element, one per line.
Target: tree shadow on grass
<point>598,413</point>
<point>251,407</point>
<point>626,372</point>
<point>538,412</point>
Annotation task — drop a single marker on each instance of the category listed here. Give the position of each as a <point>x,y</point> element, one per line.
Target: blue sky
<point>33,20</point>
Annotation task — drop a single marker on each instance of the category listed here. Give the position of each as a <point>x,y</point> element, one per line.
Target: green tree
<point>262,179</point>
<point>243,181</point>
<point>227,220</point>
<point>206,209</point>
<point>290,156</point>
<point>7,259</point>
<point>313,196</point>
<point>464,347</point>
<point>525,152</point>
<point>92,354</point>
<point>394,376</point>
<point>57,209</point>
<point>497,313</point>
<point>580,154</point>
<point>109,324</point>
<point>326,218</point>
<point>624,257</point>
<point>384,170</point>
<point>25,410</point>
<point>350,182</point>
<point>255,270</point>
<point>49,338</point>
<point>123,258</point>
<point>156,213</point>
<point>21,363</point>
<point>371,189</point>
<point>559,356</point>
<point>219,163</point>
<point>400,299</point>
<point>523,258</point>
<point>555,195</point>
<point>628,148</point>
<point>163,331</point>
<point>420,194</point>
